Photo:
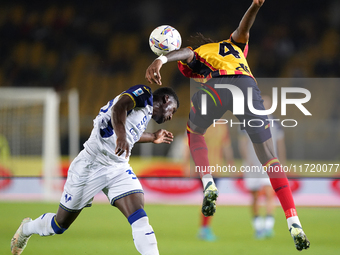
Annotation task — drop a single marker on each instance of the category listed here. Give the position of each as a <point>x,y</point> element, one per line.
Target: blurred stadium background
<point>97,49</point>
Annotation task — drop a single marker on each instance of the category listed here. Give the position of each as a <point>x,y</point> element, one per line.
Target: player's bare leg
<point>269,219</point>
<point>257,219</point>
<point>65,218</point>
<point>143,235</point>
<point>279,181</point>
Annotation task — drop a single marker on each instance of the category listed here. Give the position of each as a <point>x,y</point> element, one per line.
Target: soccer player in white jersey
<point>103,165</point>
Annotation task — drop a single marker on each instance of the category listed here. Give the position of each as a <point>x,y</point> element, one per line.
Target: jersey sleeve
<point>187,69</point>
<point>141,95</point>
<point>242,46</point>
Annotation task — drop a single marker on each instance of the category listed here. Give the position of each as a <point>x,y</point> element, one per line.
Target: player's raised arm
<point>118,119</point>
<point>241,34</point>
<point>152,72</point>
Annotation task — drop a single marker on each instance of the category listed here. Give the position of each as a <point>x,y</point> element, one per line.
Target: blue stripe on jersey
<point>108,131</point>
<point>136,216</point>
<point>105,110</point>
<point>142,95</point>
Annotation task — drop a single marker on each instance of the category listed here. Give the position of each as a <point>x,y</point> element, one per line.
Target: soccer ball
<point>164,39</point>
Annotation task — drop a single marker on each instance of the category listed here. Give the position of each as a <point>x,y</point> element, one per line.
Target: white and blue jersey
<point>102,141</point>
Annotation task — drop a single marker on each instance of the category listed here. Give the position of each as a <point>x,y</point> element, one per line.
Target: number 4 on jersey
<point>230,48</point>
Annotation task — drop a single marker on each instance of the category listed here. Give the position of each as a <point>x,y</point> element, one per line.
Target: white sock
<point>207,178</point>
<point>269,222</point>
<point>41,226</point>
<point>258,223</point>
<point>144,237</point>
<point>292,220</point>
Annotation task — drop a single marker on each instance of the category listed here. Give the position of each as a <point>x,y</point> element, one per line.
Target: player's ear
<point>165,99</point>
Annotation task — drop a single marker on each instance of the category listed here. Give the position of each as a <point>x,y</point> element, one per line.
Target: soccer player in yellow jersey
<point>224,62</point>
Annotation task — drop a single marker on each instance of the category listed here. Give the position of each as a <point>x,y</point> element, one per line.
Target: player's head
<point>165,104</point>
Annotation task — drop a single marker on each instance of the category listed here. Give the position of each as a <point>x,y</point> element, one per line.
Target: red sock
<point>199,152</point>
<point>205,220</point>
<point>281,186</point>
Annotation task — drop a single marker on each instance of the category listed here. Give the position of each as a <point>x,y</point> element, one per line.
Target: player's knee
<point>261,137</point>
<point>57,228</point>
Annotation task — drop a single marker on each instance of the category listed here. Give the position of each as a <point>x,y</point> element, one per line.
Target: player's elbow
<point>189,54</point>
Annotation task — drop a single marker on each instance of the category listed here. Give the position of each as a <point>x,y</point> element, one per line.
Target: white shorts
<point>255,184</point>
<point>86,178</point>
<point>255,180</point>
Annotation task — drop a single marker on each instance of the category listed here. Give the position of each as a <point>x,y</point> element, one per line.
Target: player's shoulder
<point>138,90</point>
<point>238,44</point>
<point>140,94</point>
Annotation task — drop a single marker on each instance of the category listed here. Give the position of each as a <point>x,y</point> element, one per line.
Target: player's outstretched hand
<point>259,3</point>
<point>152,73</point>
<point>163,136</point>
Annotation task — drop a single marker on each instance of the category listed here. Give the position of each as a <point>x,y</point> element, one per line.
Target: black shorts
<point>220,100</point>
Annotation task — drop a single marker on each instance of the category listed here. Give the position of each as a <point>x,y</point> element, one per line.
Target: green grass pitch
<point>102,229</point>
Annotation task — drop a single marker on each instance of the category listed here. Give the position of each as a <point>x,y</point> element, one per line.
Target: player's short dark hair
<point>166,91</point>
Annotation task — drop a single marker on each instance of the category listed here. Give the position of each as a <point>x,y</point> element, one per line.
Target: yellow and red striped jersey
<point>217,59</point>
